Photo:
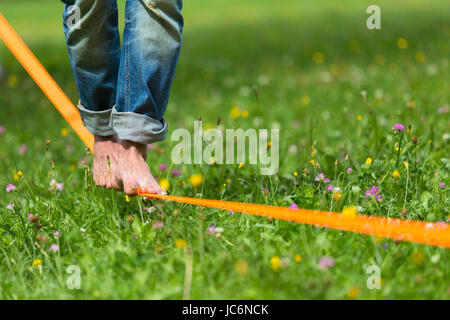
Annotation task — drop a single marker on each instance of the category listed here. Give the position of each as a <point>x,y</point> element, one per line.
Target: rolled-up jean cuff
<point>97,122</point>
<point>137,127</point>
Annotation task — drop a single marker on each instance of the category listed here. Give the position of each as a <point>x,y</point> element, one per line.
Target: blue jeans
<point>124,90</point>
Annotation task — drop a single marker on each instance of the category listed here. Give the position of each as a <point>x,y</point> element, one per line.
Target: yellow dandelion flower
<point>227,181</point>
<point>430,141</point>
<point>359,117</point>
<point>245,114</point>
<point>20,173</point>
<point>180,243</point>
<point>337,195</point>
<point>295,174</point>
<point>269,144</point>
<point>12,81</point>
<point>297,258</point>
<point>15,177</point>
<point>349,211</point>
<point>353,293</point>
<point>420,57</point>
<point>36,262</point>
<point>405,163</point>
<point>318,57</point>
<point>196,180</point>
<point>317,165</point>
<point>402,43</point>
<point>305,100</point>
<point>241,267</point>
<point>380,60</point>
<point>235,112</point>
<point>127,198</point>
<point>369,160</point>
<point>275,261</point>
<point>241,165</point>
<point>64,132</point>
<point>417,257</point>
<point>312,162</point>
<point>164,183</point>
<point>395,174</point>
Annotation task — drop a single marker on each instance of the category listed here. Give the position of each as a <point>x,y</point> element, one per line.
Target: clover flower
<point>54,248</point>
<point>293,206</point>
<point>10,188</point>
<point>10,206</point>
<point>326,262</point>
<point>441,185</point>
<point>320,177</point>
<point>175,173</point>
<point>398,127</point>
<point>349,170</point>
<point>162,167</point>
<point>374,192</point>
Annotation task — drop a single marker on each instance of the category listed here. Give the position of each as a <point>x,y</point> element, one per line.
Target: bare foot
<point>133,170</point>
<point>105,162</point>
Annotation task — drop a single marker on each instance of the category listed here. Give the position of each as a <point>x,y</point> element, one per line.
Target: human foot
<point>133,170</point>
<point>105,162</point>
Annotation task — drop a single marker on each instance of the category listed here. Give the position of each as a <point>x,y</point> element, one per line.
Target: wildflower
<point>36,262</point>
<point>175,173</point>
<point>359,117</point>
<point>318,57</point>
<point>241,266</point>
<point>162,167</point>
<point>305,100</point>
<point>231,212</point>
<point>349,211</point>
<point>54,248</point>
<point>127,198</point>
<point>353,293</point>
<point>22,149</point>
<point>83,230</point>
<point>402,43</point>
<point>293,206</point>
<point>326,180</point>
<point>265,191</point>
<point>369,161</point>
<point>297,258</point>
<point>293,148</point>
<point>420,57</point>
<point>196,180</point>
<point>157,224</point>
<point>395,174</point>
<point>10,188</point>
<point>245,114</point>
<point>398,127</point>
<point>295,174</point>
<point>405,163</point>
<point>275,261</point>
<point>56,234</point>
<point>212,229</point>
<point>320,177</point>
<point>10,206</point>
<point>2,130</point>
<point>443,110</point>
<point>441,185</point>
<point>349,170</point>
<point>164,183</point>
<point>235,112</point>
<point>374,192</point>
<point>330,188</point>
<point>417,257</point>
<point>20,173</point>
<point>64,132</point>
<point>326,262</point>
<point>337,195</point>
<point>241,165</point>
<point>180,243</point>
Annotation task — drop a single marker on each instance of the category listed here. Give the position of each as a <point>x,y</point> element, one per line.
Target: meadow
<point>310,68</point>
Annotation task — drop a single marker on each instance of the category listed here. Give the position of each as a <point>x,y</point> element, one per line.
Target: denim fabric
<point>124,90</point>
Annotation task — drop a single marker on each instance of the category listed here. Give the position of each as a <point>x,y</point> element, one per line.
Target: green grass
<point>231,46</point>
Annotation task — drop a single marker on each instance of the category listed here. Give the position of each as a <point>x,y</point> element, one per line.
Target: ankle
<point>98,138</point>
<point>135,147</point>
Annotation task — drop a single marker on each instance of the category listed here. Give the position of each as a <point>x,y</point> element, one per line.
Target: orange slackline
<point>437,234</point>
<point>44,81</point>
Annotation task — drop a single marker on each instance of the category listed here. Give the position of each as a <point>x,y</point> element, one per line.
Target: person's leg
<point>93,44</point>
<point>151,46</point>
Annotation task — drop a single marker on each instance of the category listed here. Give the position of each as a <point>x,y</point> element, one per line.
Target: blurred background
<point>309,61</point>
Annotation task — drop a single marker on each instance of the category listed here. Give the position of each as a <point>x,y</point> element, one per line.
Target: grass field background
<point>310,62</point>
